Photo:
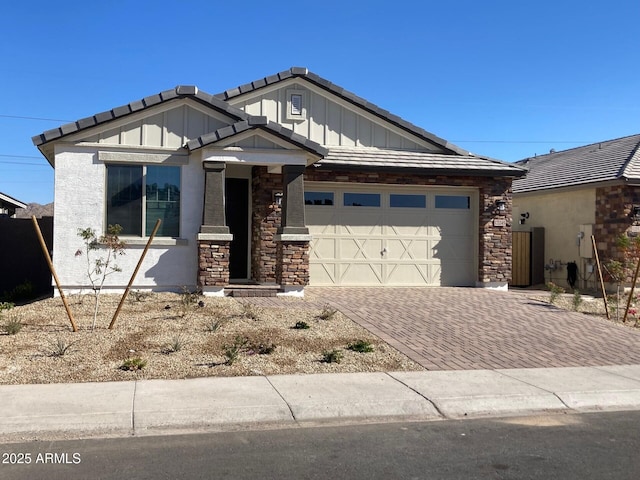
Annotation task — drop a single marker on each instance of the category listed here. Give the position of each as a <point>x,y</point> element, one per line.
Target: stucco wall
<point>80,203</point>
<point>561,214</point>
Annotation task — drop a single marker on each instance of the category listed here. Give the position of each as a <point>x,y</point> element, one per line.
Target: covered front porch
<point>253,228</point>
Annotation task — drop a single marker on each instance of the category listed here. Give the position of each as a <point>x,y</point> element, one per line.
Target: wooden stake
<point>604,293</point>
<point>135,272</point>
<point>45,250</point>
<point>633,286</point>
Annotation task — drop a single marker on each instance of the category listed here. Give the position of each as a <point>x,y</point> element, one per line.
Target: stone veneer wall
<point>292,263</point>
<point>213,263</point>
<point>265,221</point>
<point>613,205</point>
<point>494,252</point>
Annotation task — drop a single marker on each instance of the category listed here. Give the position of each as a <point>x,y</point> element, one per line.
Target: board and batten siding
<point>171,128</point>
<point>327,122</point>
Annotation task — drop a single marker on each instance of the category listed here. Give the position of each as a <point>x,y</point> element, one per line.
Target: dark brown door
<point>237,213</point>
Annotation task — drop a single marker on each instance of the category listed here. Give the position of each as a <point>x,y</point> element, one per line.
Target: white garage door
<point>379,235</point>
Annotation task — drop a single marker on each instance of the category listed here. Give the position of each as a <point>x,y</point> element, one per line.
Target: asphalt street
<point>560,446</point>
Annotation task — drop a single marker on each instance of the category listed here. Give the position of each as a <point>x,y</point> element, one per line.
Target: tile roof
<point>302,72</point>
<point>181,91</point>
<point>599,162</point>
<point>256,122</point>
<point>431,162</point>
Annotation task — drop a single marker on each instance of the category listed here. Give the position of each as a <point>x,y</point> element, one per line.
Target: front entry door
<point>237,213</point>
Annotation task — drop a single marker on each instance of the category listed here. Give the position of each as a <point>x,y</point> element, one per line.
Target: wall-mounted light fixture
<point>277,198</point>
<point>634,214</point>
<point>523,218</point>
<point>501,206</point>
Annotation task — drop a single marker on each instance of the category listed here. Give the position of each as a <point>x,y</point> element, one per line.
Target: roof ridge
<point>303,72</point>
<point>576,148</point>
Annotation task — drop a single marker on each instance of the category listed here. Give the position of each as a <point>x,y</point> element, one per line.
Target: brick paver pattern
<point>467,328</point>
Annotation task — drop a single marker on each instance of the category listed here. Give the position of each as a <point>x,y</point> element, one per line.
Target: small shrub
<point>301,326</point>
<point>213,325</point>
<point>133,364</point>
<point>577,300</point>
<point>188,301</point>
<point>6,306</point>
<point>327,313</point>
<point>176,344</point>
<point>554,292</point>
<point>332,356</point>
<point>13,326</point>
<point>141,296</point>
<point>60,347</point>
<point>261,348</point>
<point>232,352</point>
<point>251,311</point>
<point>23,291</point>
<point>361,346</point>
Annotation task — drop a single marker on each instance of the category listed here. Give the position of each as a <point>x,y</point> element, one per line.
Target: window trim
<point>133,239</point>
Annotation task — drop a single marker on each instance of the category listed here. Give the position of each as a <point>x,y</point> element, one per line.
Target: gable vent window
<point>296,105</point>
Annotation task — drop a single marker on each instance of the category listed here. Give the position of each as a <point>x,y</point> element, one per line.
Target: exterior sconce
<point>277,198</point>
<point>523,218</point>
<point>501,206</point>
<point>634,214</point>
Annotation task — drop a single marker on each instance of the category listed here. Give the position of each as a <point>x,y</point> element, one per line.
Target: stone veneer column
<point>214,237</point>
<point>292,253</point>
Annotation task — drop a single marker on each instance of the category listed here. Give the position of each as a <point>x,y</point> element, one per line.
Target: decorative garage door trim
<point>374,235</point>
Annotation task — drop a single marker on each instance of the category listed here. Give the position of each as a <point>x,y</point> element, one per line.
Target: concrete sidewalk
<point>148,407</point>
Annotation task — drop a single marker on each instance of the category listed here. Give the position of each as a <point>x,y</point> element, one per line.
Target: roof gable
<point>7,201</point>
<point>263,90</point>
<point>599,162</point>
<point>255,123</point>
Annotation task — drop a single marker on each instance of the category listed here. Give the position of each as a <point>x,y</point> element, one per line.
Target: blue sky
<point>501,78</point>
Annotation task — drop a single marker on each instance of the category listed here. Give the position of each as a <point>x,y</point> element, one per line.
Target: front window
<point>139,195</point>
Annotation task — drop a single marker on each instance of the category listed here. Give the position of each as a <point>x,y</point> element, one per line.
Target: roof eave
<point>463,172</point>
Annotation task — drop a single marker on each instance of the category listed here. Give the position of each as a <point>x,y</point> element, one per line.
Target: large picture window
<point>138,195</point>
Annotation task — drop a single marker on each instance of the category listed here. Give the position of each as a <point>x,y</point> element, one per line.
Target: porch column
<point>292,252</point>
<point>214,237</point>
<point>213,218</point>
<point>292,222</point>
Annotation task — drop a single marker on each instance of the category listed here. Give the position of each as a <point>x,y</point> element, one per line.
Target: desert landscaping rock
<point>178,342</point>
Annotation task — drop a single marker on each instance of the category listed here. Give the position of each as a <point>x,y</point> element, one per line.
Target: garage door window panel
<point>458,202</point>
<point>407,201</point>
<point>361,199</point>
<point>318,198</point>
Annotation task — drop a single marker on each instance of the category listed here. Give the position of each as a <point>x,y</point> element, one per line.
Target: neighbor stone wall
<point>495,251</point>
<point>213,263</point>
<point>613,206</point>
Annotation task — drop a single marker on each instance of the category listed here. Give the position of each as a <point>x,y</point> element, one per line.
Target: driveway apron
<point>467,328</point>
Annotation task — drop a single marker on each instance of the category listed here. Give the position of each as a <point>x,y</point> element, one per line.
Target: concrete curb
<point>151,406</point>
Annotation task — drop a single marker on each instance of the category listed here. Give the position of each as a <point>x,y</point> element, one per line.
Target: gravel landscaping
<point>181,336</point>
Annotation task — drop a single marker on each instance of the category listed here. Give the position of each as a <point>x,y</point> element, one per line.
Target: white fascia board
<point>12,201</point>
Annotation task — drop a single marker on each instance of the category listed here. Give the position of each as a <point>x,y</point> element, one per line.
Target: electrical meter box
<point>586,246</point>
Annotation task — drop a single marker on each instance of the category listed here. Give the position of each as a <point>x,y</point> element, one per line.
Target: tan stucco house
<point>573,194</point>
<point>286,181</point>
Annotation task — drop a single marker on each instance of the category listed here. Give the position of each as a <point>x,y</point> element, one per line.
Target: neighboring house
<point>576,193</point>
<point>289,180</point>
<point>8,205</point>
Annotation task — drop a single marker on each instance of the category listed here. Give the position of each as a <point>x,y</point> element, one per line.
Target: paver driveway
<point>468,328</point>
